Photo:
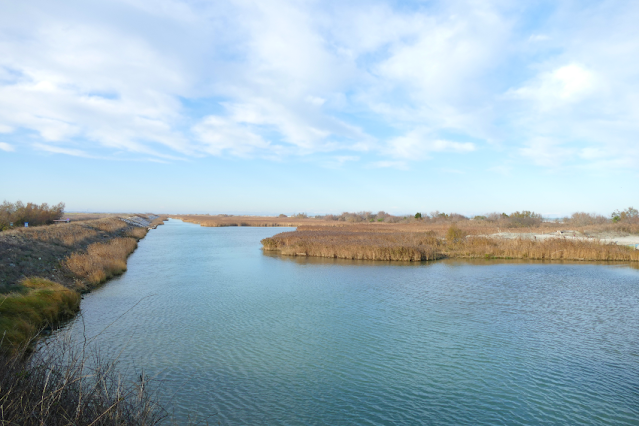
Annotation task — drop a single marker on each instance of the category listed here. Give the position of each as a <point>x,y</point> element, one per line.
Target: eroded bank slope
<point>43,270</point>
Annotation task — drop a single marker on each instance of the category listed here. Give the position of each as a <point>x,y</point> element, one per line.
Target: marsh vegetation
<point>520,235</point>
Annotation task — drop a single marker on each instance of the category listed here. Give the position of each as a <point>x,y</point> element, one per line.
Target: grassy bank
<point>370,242</point>
<point>44,270</point>
<point>36,303</point>
<point>63,385</point>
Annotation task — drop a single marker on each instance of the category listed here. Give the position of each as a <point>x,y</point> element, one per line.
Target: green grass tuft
<point>37,303</point>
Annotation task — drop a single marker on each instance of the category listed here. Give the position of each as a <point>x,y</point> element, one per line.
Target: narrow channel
<point>235,336</point>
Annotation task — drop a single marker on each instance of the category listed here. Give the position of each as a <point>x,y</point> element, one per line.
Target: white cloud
<point>58,150</point>
<point>6,147</point>
<point>284,78</point>
<point>221,135</point>
<point>339,161</point>
<point>561,86</point>
<point>418,144</point>
<point>547,152</point>
<point>401,165</point>
<point>538,37</point>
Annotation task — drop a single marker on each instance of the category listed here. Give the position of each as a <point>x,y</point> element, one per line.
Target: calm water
<point>243,338</point>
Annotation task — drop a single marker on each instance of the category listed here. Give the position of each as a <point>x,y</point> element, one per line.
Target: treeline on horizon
<point>19,213</point>
<point>514,220</point>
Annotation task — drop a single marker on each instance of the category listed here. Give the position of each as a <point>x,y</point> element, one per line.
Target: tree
<point>629,215</point>
<point>418,215</point>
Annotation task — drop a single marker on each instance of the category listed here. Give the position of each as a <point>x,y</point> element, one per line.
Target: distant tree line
<point>19,213</point>
<point>518,219</point>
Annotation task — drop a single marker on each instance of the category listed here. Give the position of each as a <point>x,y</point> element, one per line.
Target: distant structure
<point>65,220</point>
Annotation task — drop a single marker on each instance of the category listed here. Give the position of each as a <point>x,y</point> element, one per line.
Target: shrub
<point>33,214</point>
<point>585,219</point>
<point>454,234</point>
<point>630,215</point>
<point>418,215</point>
<point>525,219</point>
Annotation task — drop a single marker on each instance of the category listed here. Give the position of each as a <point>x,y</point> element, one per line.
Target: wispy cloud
<point>278,79</point>
<point>6,147</point>
<point>385,164</point>
<point>58,150</point>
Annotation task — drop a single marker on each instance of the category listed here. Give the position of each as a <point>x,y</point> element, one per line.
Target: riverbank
<point>371,242</point>
<point>43,270</point>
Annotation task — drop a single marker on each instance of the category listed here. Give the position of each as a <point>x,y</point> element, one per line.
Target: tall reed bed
<point>101,260</point>
<point>359,243</point>
<point>548,249</point>
<point>345,244</point>
<point>37,303</point>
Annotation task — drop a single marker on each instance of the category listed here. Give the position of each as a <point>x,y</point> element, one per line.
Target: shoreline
<point>46,269</point>
<point>424,246</point>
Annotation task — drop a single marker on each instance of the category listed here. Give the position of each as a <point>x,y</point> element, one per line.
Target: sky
<point>276,106</point>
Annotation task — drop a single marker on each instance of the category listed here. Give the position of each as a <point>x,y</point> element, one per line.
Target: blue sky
<point>320,106</point>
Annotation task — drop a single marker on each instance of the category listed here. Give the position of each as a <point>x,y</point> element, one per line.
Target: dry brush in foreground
<point>69,385</point>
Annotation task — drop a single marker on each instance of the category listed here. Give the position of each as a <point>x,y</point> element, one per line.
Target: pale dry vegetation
<point>68,384</point>
<point>107,225</point>
<point>345,243</point>
<point>383,244</point>
<point>69,234</point>
<point>101,260</point>
<point>137,233</point>
<point>381,236</point>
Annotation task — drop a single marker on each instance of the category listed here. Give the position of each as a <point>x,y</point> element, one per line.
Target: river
<point>238,337</point>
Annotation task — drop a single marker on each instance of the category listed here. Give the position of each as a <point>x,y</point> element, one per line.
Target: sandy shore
<point>607,238</point>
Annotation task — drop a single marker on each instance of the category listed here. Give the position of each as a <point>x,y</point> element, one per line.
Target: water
<point>239,337</point>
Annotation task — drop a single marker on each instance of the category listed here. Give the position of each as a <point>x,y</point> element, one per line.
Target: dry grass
<point>68,385</point>
<point>137,233</point>
<point>37,303</point>
<point>428,239</point>
<point>69,234</point>
<point>83,217</point>
<point>158,221</point>
<point>101,261</point>
<point>440,227</point>
<point>549,249</point>
<point>393,242</point>
<point>346,244</point>
<point>107,225</point>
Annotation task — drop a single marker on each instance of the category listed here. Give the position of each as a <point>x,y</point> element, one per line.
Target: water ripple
<point>237,337</point>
